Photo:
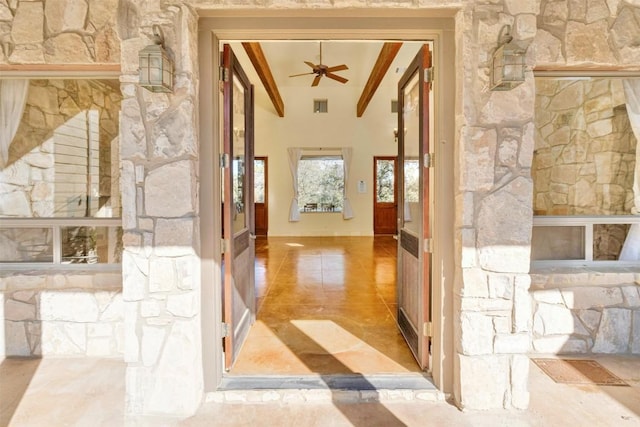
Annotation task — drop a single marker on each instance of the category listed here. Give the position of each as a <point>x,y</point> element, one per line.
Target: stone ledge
<point>563,277</point>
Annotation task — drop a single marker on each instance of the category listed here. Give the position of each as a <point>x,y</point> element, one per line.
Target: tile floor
<point>326,305</point>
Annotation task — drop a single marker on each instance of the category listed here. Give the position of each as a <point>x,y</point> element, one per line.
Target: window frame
<point>586,221</point>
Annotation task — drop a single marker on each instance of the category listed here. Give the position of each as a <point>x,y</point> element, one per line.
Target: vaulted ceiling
<point>369,64</point>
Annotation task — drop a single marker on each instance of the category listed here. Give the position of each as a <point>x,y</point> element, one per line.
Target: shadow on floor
<point>16,374</point>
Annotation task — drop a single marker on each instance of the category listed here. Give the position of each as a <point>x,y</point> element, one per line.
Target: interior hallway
<point>326,305</point>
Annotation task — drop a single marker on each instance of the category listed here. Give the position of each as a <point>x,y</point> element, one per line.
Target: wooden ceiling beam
<point>254,51</point>
<point>385,58</point>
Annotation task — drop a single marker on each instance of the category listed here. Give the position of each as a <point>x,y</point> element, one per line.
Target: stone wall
<point>59,31</point>
<point>585,312</point>
<point>62,315</point>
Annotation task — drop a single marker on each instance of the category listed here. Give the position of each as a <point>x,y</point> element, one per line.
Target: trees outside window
<point>320,184</point>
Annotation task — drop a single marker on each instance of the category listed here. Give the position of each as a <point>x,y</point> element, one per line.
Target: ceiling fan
<point>322,70</point>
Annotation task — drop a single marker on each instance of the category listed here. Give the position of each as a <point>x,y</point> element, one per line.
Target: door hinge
<point>428,243</point>
<point>429,160</point>
<point>427,329</point>
<point>428,75</point>
<point>225,330</point>
<point>224,74</point>
<point>224,160</point>
<point>223,246</point>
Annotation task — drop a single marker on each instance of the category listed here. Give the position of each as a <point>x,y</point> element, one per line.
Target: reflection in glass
<point>67,145</point>
<point>259,178</point>
<point>26,245</point>
<point>411,172</point>
<point>91,245</point>
<point>238,156</point>
<point>385,181</point>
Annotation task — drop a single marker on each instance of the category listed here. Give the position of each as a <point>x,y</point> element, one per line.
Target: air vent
<point>394,105</point>
<point>320,106</point>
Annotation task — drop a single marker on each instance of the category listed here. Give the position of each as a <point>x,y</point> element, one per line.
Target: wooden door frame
<point>356,24</point>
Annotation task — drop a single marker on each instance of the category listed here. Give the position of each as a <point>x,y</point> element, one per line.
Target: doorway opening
<point>327,308</point>
<point>328,224</point>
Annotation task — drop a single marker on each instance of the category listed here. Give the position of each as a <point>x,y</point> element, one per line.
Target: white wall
<point>369,136</point>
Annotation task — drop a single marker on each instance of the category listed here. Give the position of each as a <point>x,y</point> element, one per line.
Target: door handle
<point>252,236</point>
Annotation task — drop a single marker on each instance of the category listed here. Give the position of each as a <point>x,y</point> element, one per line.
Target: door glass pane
<point>411,173</point>
<point>238,165</point>
<point>385,177</point>
<point>258,184</point>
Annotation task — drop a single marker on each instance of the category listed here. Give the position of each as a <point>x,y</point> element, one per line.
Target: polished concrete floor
<point>326,305</point>
<point>90,392</point>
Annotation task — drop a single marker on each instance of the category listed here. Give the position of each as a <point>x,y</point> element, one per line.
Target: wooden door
<point>239,237</point>
<point>261,202</point>
<point>414,240</point>
<point>385,216</point>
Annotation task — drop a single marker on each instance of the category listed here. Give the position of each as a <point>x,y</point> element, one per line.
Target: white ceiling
<point>287,57</point>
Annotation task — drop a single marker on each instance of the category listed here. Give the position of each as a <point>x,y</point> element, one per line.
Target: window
<point>583,169</point>
<point>320,184</point>
<point>320,106</point>
<point>59,185</point>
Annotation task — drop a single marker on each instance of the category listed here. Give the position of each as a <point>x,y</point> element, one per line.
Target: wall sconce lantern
<point>507,65</point>
<point>156,68</point>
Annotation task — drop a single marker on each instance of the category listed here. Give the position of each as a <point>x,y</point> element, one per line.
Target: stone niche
<point>584,156</point>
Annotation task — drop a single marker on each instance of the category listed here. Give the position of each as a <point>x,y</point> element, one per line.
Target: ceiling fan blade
<point>337,68</point>
<point>316,81</point>
<point>337,78</point>
<point>303,74</point>
<point>310,64</point>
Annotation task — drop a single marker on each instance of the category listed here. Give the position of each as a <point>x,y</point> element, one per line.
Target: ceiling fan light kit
<point>321,70</point>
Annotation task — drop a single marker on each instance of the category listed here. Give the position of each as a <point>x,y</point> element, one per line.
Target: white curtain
<point>295,154</point>
<point>13,97</point>
<point>347,211</point>
<point>631,248</point>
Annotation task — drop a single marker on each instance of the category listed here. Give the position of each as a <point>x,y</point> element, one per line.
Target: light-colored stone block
<point>185,304</point>
<point>18,311</point>
<point>613,334</point>
<point>169,191</point>
<point>559,344</point>
<point>511,343</point>
<point>631,296</point>
<point>592,297</point>
<point>520,381</point>
<point>28,23</point>
<point>162,276</point>
<point>484,381</point>
<point>634,345</point>
<point>68,306</point>
<point>152,341</point>
<point>174,237</point>
<point>477,333</point>
<point>178,374</point>
<point>15,339</point>
<point>63,338</point>
<point>552,319</point>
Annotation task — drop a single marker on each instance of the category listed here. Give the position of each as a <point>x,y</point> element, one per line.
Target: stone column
<point>161,283</point>
<point>493,226</point>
